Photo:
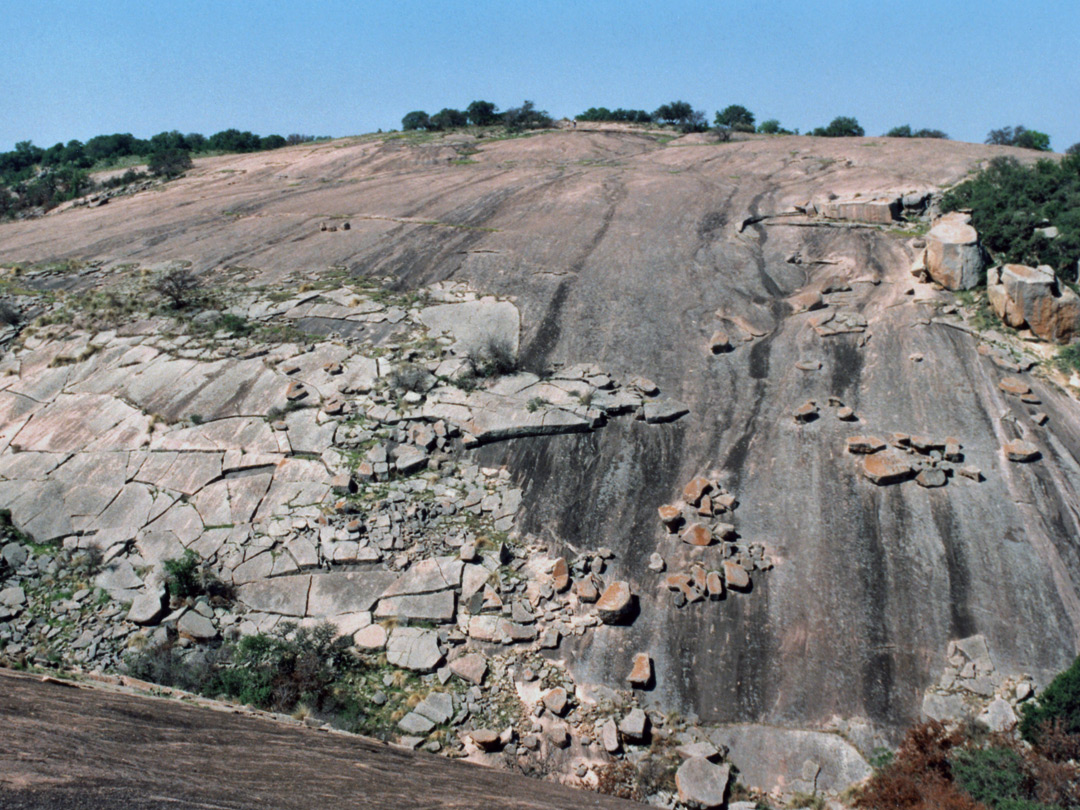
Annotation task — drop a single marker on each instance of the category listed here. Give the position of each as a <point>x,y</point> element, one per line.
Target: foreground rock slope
<point>668,470</point>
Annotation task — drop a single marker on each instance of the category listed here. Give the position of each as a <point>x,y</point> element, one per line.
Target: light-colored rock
<point>702,784</point>
<point>372,637</point>
<point>888,467</point>
<point>697,534</point>
<point>616,603</point>
<point>196,626</point>
<point>736,576</point>
<point>1021,451</point>
<point>470,667</point>
<point>999,716</point>
<point>347,591</point>
<point>769,757</point>
<point>634,727</point>
<point>693,491</point>
<point>609,736</point>
<point>435,607</point>
<point>954,257</point>
<point>287,596</point>
<point>414,723</point>
<point>149,607</point>
<point>414,648</point>
<point>474,324</point>
<point>642,671</point>
<point>1034,297</point>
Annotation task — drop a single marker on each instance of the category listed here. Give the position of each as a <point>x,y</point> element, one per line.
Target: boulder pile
<point>1034,298</point>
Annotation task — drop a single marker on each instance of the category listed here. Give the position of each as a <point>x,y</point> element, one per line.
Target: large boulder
<point>1034,297</point>
<point>702,783</point>
<point>954,257</point>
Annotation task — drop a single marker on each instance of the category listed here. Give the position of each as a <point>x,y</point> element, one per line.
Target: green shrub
<point>494,359</point>
<point>1058,703</point>
<point>417,119</point>
<point>169,162</point>
<point>519,119</point>
<point>1010,202</point>
<point>842,126</point>
<point>735,117</point>
<point>1020,136</point>
<point>1068,358</point>
<point>991,775</point>
<point>182,575</point>
<point>905,131</point>
<point>411,377</point>
<point>187,577</point>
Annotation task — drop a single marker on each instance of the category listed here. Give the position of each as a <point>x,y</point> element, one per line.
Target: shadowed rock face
<point>624,252</point>
<point>92,748</point>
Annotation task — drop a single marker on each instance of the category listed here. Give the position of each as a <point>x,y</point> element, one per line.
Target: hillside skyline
<point>336,68</point>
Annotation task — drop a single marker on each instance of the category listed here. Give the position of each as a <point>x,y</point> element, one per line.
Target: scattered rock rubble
<point>723,561</point>
<point>320,481</point>
<point>971,688</point>
<point>929,460</point>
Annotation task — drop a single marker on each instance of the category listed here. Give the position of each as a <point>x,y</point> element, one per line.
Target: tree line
<point>33,177</point>
<point>480,114</point>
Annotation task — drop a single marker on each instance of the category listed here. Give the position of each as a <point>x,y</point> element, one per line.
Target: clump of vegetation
<point>1020,136</point>
<point>535,404</point>
<point>1011,204</point>
<point>736,118</point>
<point>617,115</point>
<point>36,178</point>
<point>495,358</point>
<point>294,667</point>
<point>843,126</point>
<point>1057,709</point>
<point>1068,358</point>
<point>906,131</point>
<point>682,116</point>
<point>772,127</point>
<point>525,117</point>
<point>187,577</point>
<point>9,316</point>
<point>411,377</point>
<point>179,286</point>
<point>169,162</point>
<point>942,768</point>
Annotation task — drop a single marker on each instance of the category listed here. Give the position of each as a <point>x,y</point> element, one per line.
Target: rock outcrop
<point>1034,298</point>
<point>954,257</point>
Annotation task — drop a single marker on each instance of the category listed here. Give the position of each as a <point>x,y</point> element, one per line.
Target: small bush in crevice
<point>179,286</point>
<point>411,377</point>
<point>495,358</point>
<point>9,316</point>
<point>188,577</point>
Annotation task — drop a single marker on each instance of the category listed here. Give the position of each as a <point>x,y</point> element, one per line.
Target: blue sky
<point>77,68</point>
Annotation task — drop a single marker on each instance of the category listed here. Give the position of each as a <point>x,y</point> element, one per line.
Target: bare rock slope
<point>784,335</point>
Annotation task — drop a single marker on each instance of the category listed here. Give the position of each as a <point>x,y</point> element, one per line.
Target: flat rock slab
<point>414,648</point>
<point>888,467</point>
<point>347,592</point>
<point>473,324</point>
<point>427,576</point>
<point>703,784</point>
<point>285,596</point>
<point>769,757</point>
<point>434,607</point>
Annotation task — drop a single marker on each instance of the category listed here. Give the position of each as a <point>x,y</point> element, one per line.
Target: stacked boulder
<point>1033,297</point>
<point>953,256</point>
